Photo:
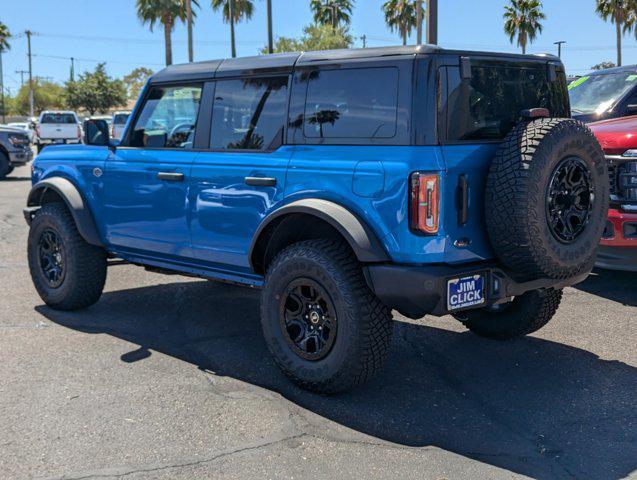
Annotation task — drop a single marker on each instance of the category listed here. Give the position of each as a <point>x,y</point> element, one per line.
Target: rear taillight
<point>79,132</point>
<point>424,203</point>
<point>113,131</point>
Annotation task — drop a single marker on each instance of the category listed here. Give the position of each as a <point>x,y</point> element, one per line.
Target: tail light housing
<point>79,132</point>
<point>424,212</point>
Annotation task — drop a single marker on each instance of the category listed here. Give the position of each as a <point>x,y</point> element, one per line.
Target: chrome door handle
<point>260,181</point>
<point>171,176</point>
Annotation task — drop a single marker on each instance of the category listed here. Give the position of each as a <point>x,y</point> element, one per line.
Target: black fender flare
<point>74,202</point>
<point>360,237</point>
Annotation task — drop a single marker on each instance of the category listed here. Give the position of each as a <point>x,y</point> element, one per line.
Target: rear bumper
<point>58,141</point>
<point>416,291</point>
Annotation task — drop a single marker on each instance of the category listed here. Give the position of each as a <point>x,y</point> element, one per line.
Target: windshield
<point>597,93</point>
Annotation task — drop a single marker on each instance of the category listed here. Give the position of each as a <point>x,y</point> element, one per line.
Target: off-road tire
<point>364,324</point>
<point>525,314</point>
<point>5,166</point>
<point>516,199</point>
<point>84,264</point>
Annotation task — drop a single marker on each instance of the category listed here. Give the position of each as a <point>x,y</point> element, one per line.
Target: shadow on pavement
<point>531,406</point>
<point>614,285</point>
<point>15,179</point>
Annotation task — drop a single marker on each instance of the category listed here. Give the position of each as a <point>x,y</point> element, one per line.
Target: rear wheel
<point>68,273</point>
<point>523,315</point>
<point>324,327</point>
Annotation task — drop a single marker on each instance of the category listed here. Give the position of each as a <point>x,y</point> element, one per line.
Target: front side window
<point>352,103</point>
<point>487,106</point>
<point>249,113</point>
<point>168,118</point>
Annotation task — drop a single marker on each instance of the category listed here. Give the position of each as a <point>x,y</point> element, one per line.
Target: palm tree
<point>166,12</point>
<point>4,46</point>
<point>401,16</point>
<point>233,12</point>
<point>523,19</point>
<point>621,13</point>
<point>332,12</point>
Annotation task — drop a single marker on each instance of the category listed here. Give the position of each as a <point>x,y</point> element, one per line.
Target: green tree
<point>332,12</point>
<point>401,16</point>
<point>4,46</point>
<point>166,12</point>
<point>135,81</point>
<point>95,92</point>
<point>46,96</point>
<point>604,65</point>
<point>5,35</point>
<point>241,9</point>
<point>315,37</point>
<point>522,18</point>
<point>622,14</point>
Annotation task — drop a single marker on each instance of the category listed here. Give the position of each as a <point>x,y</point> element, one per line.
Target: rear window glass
<point>352,103</point>
<point>58,118</point>
<point>120,118</point>
<point>489,105</point>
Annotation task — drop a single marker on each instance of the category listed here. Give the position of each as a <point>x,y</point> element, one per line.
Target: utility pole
<point>2,88</point>
<point>21,73</point>
<point>419,22</point>
<point>231,12</point>
<point>189,21</point>
<point>432,22</point>
<point>270,38</point>
<point>364,39</point>
<point>28,33</point>
<point>559,47</point>
<point>72,69</point>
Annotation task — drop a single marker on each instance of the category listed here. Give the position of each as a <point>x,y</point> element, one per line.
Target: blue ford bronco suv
<point>345,185</point>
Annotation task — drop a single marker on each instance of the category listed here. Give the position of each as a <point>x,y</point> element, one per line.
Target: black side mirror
<point>631,109</point>
<point>96,133</point>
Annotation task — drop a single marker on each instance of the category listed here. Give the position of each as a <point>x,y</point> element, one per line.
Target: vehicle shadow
<point>533,407</point>
<point>614,285</point>
<point>15,179</point>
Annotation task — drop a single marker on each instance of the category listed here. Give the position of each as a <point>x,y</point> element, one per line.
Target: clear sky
<point>109,31</point>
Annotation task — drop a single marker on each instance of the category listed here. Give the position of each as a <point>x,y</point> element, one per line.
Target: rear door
<point>237,182</point>
<point>59,127</point>
<point>146,179</point>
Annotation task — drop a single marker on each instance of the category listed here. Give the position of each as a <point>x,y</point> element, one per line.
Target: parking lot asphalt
<point>168,377</point>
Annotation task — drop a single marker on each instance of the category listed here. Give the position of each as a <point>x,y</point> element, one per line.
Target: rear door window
<point>487,106</point>
<point>249,114</point>
<point>168,118</point>
<point>120,118</point>
<point>352,103</point>
<point>58,118</point>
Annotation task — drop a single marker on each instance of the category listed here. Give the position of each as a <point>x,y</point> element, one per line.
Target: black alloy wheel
<point>569,199</point>
<point>308,319</point>
<point>51,253</point>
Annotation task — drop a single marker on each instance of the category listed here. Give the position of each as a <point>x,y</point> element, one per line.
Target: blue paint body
<point>205,225</point>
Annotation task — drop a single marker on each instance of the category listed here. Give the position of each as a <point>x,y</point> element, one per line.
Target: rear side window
<point>168,118</point>
<point>489,105</point>
<point>352,103</point>
<point>249,114</point>
<point>58,118</point>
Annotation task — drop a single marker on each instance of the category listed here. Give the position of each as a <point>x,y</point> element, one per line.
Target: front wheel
<point>523,315</point>
<point>325,328</point>
<point>67,272</point>
<point>5,166</point>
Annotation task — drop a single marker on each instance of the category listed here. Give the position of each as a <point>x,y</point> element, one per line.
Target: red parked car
<point>618,138</point>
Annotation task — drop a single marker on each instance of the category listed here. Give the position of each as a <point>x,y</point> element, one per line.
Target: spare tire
<point>547,197</point>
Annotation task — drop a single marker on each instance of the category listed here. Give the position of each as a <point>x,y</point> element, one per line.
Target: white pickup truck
<point>57,127</point>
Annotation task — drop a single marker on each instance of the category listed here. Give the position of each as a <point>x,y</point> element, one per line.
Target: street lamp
<point>559,47</point>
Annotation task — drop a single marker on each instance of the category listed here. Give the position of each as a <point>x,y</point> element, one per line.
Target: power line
<point>145,41</point>
<point>78,59</point>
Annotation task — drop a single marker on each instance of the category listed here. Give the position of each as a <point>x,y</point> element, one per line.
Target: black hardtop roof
<point>285,62</point>
<point>606,71</point>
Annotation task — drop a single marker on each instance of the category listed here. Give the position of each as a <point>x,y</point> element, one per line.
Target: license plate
<point>465,292</point>
<point>58,140</point>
